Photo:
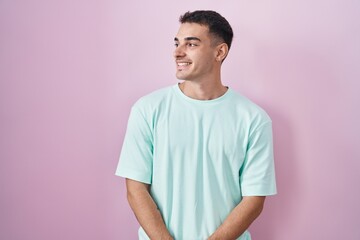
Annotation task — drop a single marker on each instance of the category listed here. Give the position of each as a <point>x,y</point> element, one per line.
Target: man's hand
<point>239,218</point>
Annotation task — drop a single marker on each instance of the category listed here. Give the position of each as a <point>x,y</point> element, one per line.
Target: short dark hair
<point>217,24</point>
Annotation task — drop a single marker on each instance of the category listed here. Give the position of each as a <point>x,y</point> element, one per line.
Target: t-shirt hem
<point>133,175</point>
<point>249,194</point>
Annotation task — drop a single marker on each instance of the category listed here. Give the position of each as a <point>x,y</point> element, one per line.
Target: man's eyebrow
<point>192,38</point>
<point>188,39</point>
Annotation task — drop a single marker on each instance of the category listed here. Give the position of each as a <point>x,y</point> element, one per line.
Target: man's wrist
<point>166,236</point>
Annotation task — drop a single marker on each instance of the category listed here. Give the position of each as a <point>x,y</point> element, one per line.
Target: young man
<point>197,157</point>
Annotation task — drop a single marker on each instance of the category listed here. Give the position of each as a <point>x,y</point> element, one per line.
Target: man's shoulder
<point>246,106</point>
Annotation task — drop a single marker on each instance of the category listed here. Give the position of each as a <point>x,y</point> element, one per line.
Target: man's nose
<point>179,52</point>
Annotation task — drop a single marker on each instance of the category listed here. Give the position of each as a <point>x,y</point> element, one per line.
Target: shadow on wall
<point>279,208</point>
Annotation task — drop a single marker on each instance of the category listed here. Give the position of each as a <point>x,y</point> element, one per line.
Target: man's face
<point>194,54</point>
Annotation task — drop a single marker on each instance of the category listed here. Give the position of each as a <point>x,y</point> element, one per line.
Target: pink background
<point>70,70</point>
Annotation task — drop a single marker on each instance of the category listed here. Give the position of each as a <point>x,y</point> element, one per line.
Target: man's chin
<point>184,78</point>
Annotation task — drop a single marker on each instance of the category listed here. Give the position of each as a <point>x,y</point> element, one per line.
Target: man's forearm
<point>239,219</point>
<point>146,211</point>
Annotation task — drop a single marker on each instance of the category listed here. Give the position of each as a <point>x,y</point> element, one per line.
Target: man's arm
<point>145,210</point>
<point>239,218</point>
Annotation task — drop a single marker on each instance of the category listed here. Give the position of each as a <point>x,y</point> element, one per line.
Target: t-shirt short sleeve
<point>135,160</point>
<point>257,175</point>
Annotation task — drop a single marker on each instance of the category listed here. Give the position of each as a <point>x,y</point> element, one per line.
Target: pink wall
<point>70,70</point>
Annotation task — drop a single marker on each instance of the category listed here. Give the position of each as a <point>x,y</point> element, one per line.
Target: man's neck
<point>203,90</point>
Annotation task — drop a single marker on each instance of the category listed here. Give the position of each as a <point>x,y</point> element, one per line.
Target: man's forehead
<point>192,31</point>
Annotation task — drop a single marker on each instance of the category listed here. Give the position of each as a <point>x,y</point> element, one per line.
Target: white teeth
<point>183,64</point>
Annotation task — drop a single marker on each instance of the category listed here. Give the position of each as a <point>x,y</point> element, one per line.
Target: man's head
<point>202,43</point>
<point>218,26</point>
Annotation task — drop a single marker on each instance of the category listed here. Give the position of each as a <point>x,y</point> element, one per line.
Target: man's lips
<point>182,65</point>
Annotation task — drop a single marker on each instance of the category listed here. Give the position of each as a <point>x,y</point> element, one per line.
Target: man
<point>197,157</point>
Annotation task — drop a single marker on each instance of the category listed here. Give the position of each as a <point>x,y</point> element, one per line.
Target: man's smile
<point>181,65</point>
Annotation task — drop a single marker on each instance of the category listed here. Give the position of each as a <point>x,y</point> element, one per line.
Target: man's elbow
<point>135,189</point>
<point>256,203</point>
<point>260,208</point>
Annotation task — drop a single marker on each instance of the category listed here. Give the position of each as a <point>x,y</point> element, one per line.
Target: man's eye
<point>176,44</point>
<point>192,45</point>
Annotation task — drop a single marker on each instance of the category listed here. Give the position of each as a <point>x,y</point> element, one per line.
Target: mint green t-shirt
<point>200,157</point>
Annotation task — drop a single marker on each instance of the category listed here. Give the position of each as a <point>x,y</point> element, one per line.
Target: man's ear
<point>222,51</point>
